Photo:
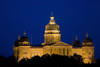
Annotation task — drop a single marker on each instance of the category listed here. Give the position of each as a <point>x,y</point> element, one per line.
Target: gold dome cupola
<point>52,32</point>
<point>52,24</point>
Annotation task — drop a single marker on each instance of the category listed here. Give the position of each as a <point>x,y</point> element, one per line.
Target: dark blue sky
<point>75,17</point>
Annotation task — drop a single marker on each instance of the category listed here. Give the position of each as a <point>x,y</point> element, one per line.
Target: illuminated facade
<point>53,45</point>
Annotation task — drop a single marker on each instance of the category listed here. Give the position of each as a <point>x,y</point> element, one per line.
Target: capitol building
<point>53,45</point>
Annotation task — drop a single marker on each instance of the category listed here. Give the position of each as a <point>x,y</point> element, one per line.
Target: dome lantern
<point>18,37</point>
<point>86,35</point>
<point>24,33</point>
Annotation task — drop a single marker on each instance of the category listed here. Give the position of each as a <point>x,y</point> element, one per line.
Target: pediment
<point>61,44</point>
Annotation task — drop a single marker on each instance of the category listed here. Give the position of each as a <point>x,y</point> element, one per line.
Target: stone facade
<point>53,45</point>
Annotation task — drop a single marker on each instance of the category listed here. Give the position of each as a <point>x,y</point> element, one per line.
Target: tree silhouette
<point>45,61</point>
<point>11,60</point>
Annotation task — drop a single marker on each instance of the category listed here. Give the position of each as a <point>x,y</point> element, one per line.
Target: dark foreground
<point>46,61</point>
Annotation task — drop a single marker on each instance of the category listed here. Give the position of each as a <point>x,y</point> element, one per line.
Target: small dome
<point>86,40</point>
<point>17,42</point>
<point>24,38</point>
<point>77,43</point>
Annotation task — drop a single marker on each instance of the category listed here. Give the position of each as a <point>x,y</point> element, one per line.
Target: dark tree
<point>23,61</point>
<point>12,60</point>
<point>3,60</point>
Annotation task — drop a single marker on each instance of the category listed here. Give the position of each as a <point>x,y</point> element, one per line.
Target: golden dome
<point>52,25</point>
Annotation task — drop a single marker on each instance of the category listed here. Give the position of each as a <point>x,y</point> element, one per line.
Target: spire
<point>87,35</point>
<point>18,37</point>
<point>31,39</point>
<point>51,14</point>
<point>24,33</point>
<point>52,18</point>
<point>76,37</point>
<point>52,21</point>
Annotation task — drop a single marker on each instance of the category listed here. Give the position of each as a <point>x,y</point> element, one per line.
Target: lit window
<point>24,52</point>
<point>32,54</point>
<point>89,57</point>
<point>89,52</point>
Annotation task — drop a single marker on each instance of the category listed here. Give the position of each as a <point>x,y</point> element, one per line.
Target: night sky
<point>75,17</point>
